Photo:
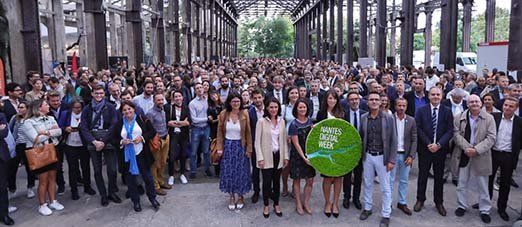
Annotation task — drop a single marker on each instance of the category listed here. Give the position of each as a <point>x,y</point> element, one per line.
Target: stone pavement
<point>200,203</point>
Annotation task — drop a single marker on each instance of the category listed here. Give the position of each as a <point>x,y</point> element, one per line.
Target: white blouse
<point>233,131</point>
<point>136,132</point>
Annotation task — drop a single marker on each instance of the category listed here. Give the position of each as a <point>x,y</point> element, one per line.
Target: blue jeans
<point>199,138</point>
<point>404,172</point>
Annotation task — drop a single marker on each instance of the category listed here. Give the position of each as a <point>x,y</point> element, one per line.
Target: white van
<point>466,61</point>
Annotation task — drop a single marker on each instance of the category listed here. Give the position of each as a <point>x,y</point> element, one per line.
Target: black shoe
<point>89,191</point>
<point>475,206</point>
<point>137,207</point>
<point>104,201</point>
<point>7,220</point>
<point>141,190</point>
<point>485,218</point>
<point>74,195</point>
<point>208,173</point>
<point>513,183</point>
<point>385,222</point>
<point>503,215</point>
<point>346,203</point>
<point>365,214</point>
<point>61,190</point>
<point>266,215</point>
<point>280,214</point>
<point>357,204</point>
<point>113,197</point>
<point>255,197</point>
<point>155,204</point>
<point>460,212</point>
<point>455,182</point>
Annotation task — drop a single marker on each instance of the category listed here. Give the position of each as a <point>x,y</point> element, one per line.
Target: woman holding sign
<point>271,152</point>
<point>331,108</point>
<point>300,167</point>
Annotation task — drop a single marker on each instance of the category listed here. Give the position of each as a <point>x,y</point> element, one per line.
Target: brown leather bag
<point>215,158</point>
<point>41,156</point>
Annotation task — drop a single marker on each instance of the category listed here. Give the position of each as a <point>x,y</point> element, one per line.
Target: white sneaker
<point>56,205</point>
<point>183,179</point>
<point>44,210</point>
<point>496,187</point>
<point>171,180</point>
<point>30,193</point>
<point>12,209</point>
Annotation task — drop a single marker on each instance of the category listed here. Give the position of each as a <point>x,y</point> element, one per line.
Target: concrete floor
<point>200,203</point>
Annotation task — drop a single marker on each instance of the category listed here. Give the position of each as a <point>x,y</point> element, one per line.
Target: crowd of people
<point>161,122</point>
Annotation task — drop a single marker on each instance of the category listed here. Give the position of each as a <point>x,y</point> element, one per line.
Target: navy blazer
<point>8,109</point>
<point>110,118</point>
<point>253,121</point>
<point>445,127</point>
<point>410,97</point>
<point>4,150</point>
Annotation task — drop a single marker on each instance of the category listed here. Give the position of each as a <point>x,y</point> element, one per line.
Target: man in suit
<point>434,129</point>
<point>316,96</point>
<point>353,116</point>
<point>416,98</point>
<point>4,160</point>
<point>55,104</point>
<point>505,152</point>
<point>474,136</point>
<point>515,91</point>
<point>100,115</point>
<point>10,107</point>
<point>278,91</point>
<point>255,113</point>
<point>406,151</point>
<point>379,137</point>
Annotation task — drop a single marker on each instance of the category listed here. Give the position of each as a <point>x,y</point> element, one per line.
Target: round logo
<point>333,147</point>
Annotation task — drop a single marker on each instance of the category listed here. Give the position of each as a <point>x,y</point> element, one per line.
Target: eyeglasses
<point>99,93</point>
<point>18,89</point>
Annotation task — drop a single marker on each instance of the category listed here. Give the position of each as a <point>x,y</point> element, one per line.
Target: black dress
<point>298,167</point>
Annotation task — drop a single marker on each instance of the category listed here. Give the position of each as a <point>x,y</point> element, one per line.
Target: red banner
<point>74,65</point>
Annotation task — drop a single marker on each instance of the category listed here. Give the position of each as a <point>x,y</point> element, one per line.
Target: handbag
<point>41,156</point>
<point>215,157</point>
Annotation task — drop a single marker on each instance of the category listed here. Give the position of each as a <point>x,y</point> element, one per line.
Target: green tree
<point>266,37</point>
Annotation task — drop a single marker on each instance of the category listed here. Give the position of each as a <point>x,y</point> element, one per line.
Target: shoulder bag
<point>41,156</point>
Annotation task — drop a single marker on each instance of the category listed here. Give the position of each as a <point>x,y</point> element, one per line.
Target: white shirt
<point>400,132</point>
<point>329,115</point>
<point>315,102</point>
<point>505,129</point>
<point>74,139</point>
<point>275,135</point>
<point>178,118</point>
<point>431,82</point>
<point>259,112</point>
<point>136,132</point>
<point>233,131</point>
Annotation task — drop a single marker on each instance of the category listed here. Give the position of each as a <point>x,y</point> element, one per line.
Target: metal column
<point>363,29</point>
<point>448,30</point>
<point>134,32</point>
<point>211,28</point>
<point>339,51</point>
<point>318,32</point>
<point>325,31</point>
<point>380,36</point>
<point>56,32</point>
<point>95,26</point>
<point>159,33</point>
<point>187,32</point>
<point>515,38</point>
<point>204,32</point>
<point>331,22</point>
<point>349,32</point>
<point>31,36</point>
<point>466,25</point>
<point>428,38</point>
<point>490,20</point>
<point>197,32</point>
<point>407,31</point>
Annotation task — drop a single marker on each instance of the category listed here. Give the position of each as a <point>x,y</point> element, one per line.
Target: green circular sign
<point>333,147</point>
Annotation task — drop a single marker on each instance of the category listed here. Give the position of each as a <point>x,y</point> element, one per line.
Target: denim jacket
<point>32,126</point>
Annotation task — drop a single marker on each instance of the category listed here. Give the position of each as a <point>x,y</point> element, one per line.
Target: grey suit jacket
<point>410,136</point>
<point>389,136</point>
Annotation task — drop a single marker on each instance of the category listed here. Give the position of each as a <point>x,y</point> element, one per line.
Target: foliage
<point>478,30</point>
<point>266,37</point>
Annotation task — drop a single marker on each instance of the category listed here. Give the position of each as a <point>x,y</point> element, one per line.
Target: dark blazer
<point>500,104</point>
<point>410,96</point>
<point>389,136</point>
<point>253,121</point>
<point>283,91</point>
<point>8,109</point>
<point>348,113</point>
<point>65,121</point>
<point>4,150</point>
<point>516,135</point>
<point>170,115</point>
<point>447,103</point>
<point>425,131</point>
<point>410,136</point>
<point>110,118</point>
<point>86,95</point>
<point>148,133</point>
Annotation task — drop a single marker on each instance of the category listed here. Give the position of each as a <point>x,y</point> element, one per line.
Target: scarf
<point>130,155</point>
<point>97,106</point>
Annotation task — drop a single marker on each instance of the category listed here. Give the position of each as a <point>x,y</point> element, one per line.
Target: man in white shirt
<point>145,99</point>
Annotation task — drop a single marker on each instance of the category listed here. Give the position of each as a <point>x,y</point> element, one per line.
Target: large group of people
<point>162,122</point>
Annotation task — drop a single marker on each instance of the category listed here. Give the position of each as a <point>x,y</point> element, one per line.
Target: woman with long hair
<point>37,92</point>
<point>215,106</point>
<point>288,116</point>
<point>234,142</point>
<point>271,153</point>
<point>38,128</point>
<point>331,108</point>
<point>134,133</point>
<point>300,166</point>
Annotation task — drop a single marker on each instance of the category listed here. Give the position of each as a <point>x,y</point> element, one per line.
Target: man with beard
<point>223,90</point>
<point>255,113</point>
<point>145,100</point>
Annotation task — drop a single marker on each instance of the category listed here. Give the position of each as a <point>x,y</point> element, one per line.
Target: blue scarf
<point>130,155</point>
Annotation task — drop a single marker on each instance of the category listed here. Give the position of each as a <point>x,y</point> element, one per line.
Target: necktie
<point>434,124</point>
<point>279,96</point>
<point>355,120</point>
